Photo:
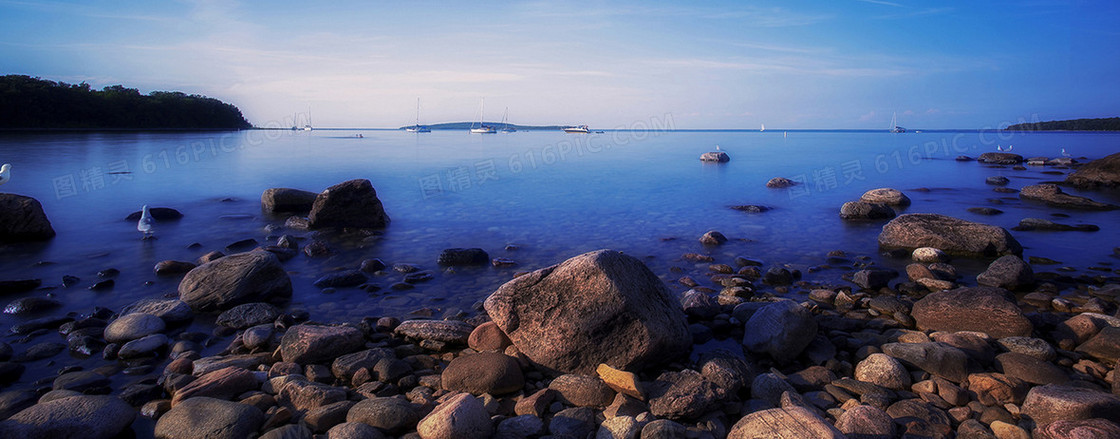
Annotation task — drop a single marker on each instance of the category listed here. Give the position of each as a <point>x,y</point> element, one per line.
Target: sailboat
<point>418,128</point>
<point>483,128</point>
<point>894,125</point>
<point>505,123</point>
<point>763,128</point>
<point>308,126</point>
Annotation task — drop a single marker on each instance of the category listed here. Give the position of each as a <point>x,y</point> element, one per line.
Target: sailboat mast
<point>417,111</point>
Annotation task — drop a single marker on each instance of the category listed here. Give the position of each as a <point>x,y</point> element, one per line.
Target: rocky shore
<point>600,346</point>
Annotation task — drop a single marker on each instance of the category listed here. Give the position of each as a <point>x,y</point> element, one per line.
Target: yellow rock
<point>1004,430</point>
<point>621,381</point>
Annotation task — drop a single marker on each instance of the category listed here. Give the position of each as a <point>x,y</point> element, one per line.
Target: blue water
<point>551,194</point>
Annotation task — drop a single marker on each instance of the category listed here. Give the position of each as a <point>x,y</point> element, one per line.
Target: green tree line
<point>1106,124</point>
<point>33,103</point>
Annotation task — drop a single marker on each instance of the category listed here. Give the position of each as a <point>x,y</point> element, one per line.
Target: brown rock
<point>682,395</point>
<point>1052,195</point>
<point>461,417</point>
<point>349,204</point>
<point>256,276</point>
<point>312,343</point>
<point>982,309</point>
<point>221,384</point>
<point>488,337</point>
<point>599,307</point>
<point>888,196</point>
<point>866,422</point>
<point>784,423</point>
<point>22,219</point>
<point>535,404</point>
<point>304,395</point>
<point>1081,429</point>
<point>1105,346</point>
<point>997,389</point>
<point>621,381</point>
<point>582,391</point>
<point>446,331</point>
<point>1030,369</point>
<point>486,372</point>
<point>1050,403</point>
<point>276,200</point>
<point>1100,172</point>
<point>952,235</point>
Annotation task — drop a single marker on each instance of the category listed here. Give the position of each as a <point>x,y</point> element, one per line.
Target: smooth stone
<point>792,422</point>
<point>133,326</point>
<point>352,203</point>
<point>1051,402</point>
<point>866,422</point>
<point>143,347</point>
<point>84,416</point>
<point>220,384</point>
<point>888,196</point>
<point>1008,272</point>
<point>209,418</point>
<point>864,211</point>
<point>172,311</point>
<point>488,337</point>
<point>354,430</point>
<point>1052,195</point>
<point>255,276</point>
<point>247,315</point>
<point>1030,369</point>
<point>461,257</point>
<point>461,417</point>
<point>483,373</point>
<point>884,371</point>
<point>781,329</point>
<point>22,220</point>
<point>1100,172</point>
<point>1095,428</point>
<point>307,344</point>
<point>447,331</point>
<point>391,415</point>
<point>936,358</point>
<point>276,200</point>
<point>712,238</point>
<point>982,309</point>
<point>582,390</point>
<point>952,235</point>
<point>779,183</point>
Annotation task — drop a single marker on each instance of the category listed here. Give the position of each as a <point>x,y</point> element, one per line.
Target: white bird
<point>145,223</point>
<point>5,173</point>
<point>717,149</point>
<point>998,147</point>
<point>1064,153</point>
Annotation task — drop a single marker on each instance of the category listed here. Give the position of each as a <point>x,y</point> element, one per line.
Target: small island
<point>467,126</point>
<point>29,103</point>
<point>1102,124</point>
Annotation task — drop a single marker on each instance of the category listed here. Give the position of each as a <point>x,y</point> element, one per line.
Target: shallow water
<point>552,195</point>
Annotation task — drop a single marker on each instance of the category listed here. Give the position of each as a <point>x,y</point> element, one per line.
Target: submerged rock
<point>715,156</point>
<point>952,235</point>
<point>599,307</point>
<point>455,257</point>
<point>157,213</point>
<point>1027,224</point>
<point>1053,195</point>
<point>780,182</point>
<point>888,196</point>
<point>862,210</point>
<point>1000,158</point>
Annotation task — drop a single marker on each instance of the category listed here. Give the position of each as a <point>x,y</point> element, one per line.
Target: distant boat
<point>577,129</point>
<point>505,124</point>
<point>418,128</point>
<point>763,128</point>
<point>483,128</point>
<point>894,125</point>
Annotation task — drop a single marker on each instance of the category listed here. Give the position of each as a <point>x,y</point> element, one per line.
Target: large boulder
<point>888,196</point>
<point>784,423</point>
<point>307,344</point>
<point>715,156</point>
<point>951,235</point>
<point>983,309</point>
<point>1100,172</point>
<point>209,418</point>
<point>255,276</point>
<point>1052,195</point>
<point>486,372</point>
<point>22,219</point>
<point>1049,403</point>
<point>277,200</point>
<point>349,204</point>
<point>863,210</point>
<point>84,416</point>
<point>781,329</point>
<point>1009,272</point>
<point>598,307</point>
<point>461,417</point>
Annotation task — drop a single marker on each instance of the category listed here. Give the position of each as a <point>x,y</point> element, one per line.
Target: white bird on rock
<point>5,173</point>
<point>145,223</point>
<point>1064,153</point>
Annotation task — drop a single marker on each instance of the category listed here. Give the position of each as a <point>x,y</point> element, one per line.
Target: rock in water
<point>888,196</point>
<point>1100,172</point>
<point>22,219</point>
<point>1008,272</point>
<point>287,200</point>
<point>209,418</point>
<point>1000,158</point>
<point>1052,195</point>
<point>862,210</point>
<point>455,257</point>
<point>157,213</point>
<point>782,329</point>
<point>951,235</point>
<point>983,309</point>
<point>715,156</point>
<point>598,307</point>
<point>779,183</point>
<point>349,204</point>
<point>256,276</point>
<point>84,416</point>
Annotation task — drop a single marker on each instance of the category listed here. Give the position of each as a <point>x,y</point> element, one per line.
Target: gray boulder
<point>446,331</point>
<point>255,276</point>
<point>248,315</point>
<point>487,372</point>
<point>683,395</point>
<point>133,326</point>
<point>84,416</point>
<point>276,200</point>
<point>780,182</point>
<point>349,204</point>
<point>599,307</point>
<point>1053,196</point>
<point>461,417</point>
<point>936,358</point>
<point>1009,272</point>
<point>22,219</point>
<point>865,211</point>
<point>209,418</point>
<point>392,415</point>
<point>1049,403</point>
<point>781,329</point>
<point>172,311</point>
<point>952,235</point>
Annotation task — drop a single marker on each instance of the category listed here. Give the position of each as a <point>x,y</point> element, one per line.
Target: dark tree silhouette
<point>32,103</point>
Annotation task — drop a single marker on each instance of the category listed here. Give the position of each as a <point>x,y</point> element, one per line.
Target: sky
<point>837,64</point>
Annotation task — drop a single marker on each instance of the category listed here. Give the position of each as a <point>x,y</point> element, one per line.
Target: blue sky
<point>788,64</point>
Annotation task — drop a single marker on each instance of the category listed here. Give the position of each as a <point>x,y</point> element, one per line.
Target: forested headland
<point>33,103</point>
<point>1105,124</point>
